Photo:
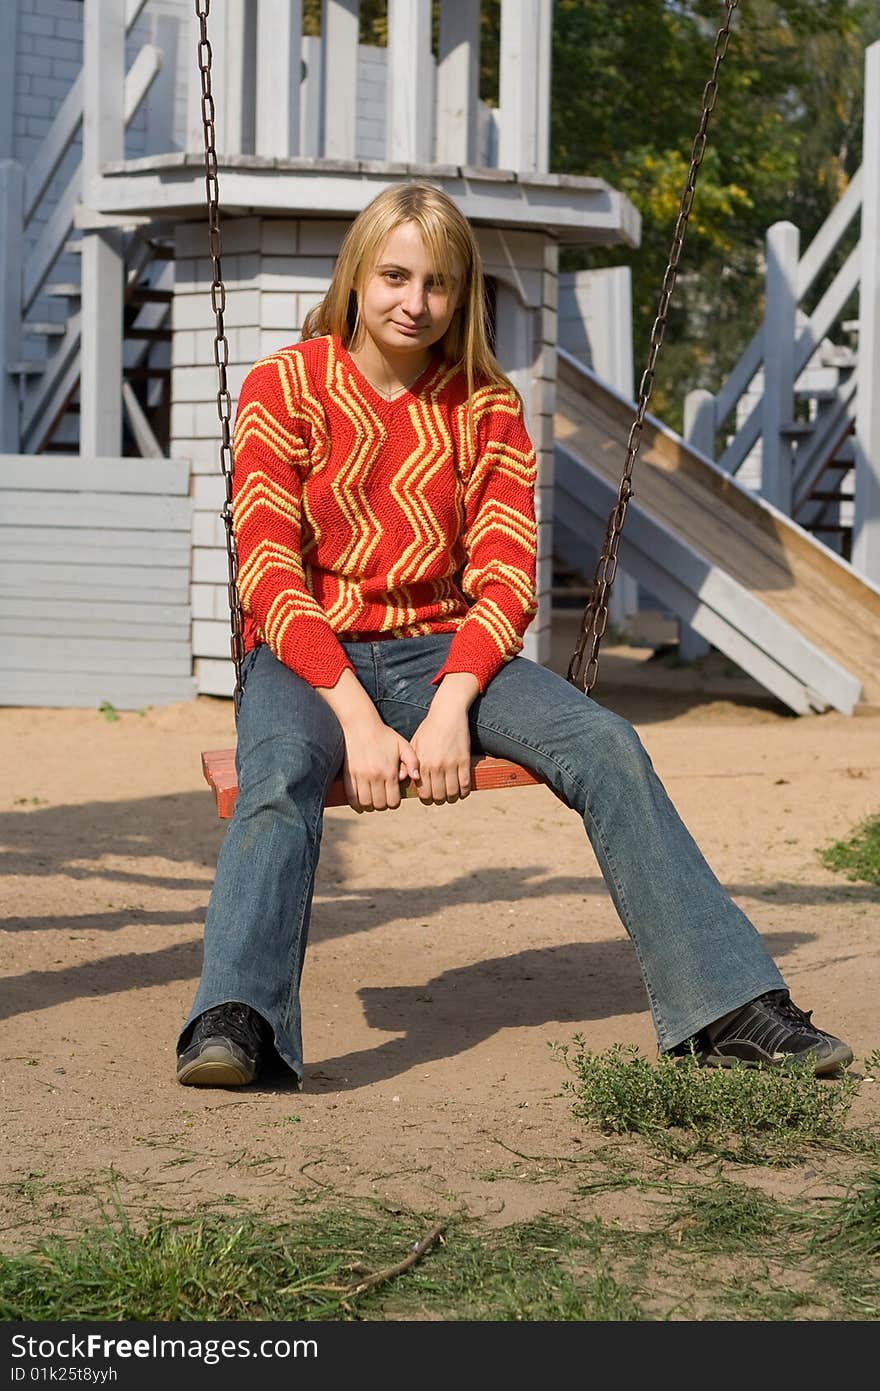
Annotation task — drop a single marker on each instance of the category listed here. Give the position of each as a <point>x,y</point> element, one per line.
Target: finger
<point>392,795</point>
<point>464,778</point>
<point>453,790</point>
<point>409,758</point>
<point>350,789</point>
<point>377,796</point>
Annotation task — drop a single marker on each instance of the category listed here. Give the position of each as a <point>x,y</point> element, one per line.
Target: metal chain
<point>583,670</point>
<point>221,345</point>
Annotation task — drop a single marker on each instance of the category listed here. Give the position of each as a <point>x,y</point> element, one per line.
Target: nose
<point>415,299</point>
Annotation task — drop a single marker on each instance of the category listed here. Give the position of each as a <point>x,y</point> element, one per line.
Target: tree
<point>627,92</point>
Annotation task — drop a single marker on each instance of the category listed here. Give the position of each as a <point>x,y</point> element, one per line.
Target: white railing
<point>788,341</point>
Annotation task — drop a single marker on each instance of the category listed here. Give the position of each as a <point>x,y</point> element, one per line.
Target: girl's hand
<point>377,759</point>
<point>442,747</point>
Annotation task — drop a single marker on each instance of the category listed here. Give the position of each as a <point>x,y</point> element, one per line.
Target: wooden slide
<point>754,584</point>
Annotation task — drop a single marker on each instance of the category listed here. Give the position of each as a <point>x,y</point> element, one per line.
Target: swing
<point>218,765</point>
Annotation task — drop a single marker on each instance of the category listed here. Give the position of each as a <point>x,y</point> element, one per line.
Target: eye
<point>395,276</point>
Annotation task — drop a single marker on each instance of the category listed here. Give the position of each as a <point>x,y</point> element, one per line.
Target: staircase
<point>797,415</point>
<point>50,399</point>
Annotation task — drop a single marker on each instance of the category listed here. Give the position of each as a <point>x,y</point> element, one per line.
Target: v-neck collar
<point>369,390</point>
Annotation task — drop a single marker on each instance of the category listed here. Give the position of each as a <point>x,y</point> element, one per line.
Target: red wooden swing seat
<point>218,765</point>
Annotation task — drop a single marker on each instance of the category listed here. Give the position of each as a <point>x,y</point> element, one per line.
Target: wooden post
<point>103,262</point>
<point>458,73</point>
<point>866,522</point>
<point>339,43</point>
<point>699,431</point>
<point>699,421</point>
<point>526,34</point>
<point>8,26</point>
<point>11,249</point>
<point>279,74</point>
<point>783,246</point>
<point>410,84</point>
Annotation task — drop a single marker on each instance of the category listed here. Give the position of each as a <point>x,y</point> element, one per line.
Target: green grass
<point>753,1114</point>
<point>858,857</point>
<point>710,1250</point>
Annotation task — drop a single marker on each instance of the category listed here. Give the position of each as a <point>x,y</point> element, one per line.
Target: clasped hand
<point>437,760</point>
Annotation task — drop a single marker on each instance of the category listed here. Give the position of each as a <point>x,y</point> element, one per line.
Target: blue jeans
<point>699,955</point>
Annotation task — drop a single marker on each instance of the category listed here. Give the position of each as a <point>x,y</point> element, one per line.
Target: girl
<point>383,510</point>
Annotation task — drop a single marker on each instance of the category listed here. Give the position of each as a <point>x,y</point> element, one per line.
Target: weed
<point>109,711</point>
<point>620,1092</point>
<point>852,1225</point>
<point>858,857</point>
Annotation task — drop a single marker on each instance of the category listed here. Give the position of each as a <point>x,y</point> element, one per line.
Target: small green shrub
<point>858,857</point>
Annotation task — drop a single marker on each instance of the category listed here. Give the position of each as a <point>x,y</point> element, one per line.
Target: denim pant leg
<point>699,954</point>
<point>290,747</point>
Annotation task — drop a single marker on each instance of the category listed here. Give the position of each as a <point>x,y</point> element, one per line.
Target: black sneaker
<point>769,1030</point>
<point>225,1049</point>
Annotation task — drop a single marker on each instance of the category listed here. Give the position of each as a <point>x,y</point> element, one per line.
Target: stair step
<point>142,374</point>
<point>797,429</point>
<point>43,329</point>
<point>74,248</point>
<point>141,295</point>
<point>831,497</point>
<point>153,335</point>
<point>835,356</point>
<point>26,368</point>
<point>63,290</point>
<point>828,526</point>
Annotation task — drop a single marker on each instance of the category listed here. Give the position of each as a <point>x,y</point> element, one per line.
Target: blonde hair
<point>451,245</point>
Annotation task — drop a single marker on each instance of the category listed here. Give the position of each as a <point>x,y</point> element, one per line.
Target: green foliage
<point>852,1223</point>
<point>109,711</point>
<point>859,856</point>
<point>620,1092</point>
<point>784,140</point>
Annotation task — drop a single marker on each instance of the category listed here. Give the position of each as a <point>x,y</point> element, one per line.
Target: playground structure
<point>107,344</point>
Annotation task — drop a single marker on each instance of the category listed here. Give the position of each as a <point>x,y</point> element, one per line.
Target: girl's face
<point>404,306</point>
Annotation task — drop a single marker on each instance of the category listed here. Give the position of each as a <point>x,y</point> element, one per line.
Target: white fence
<point>94,581</point>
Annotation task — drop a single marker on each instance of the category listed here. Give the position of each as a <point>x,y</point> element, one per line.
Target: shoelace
<point>783,1005</point>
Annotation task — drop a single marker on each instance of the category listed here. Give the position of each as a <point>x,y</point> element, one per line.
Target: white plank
<point>23,625</point>
<point>79,580</point>
<point>97,511</point>
<point>64,546</point>
<point>67,690</point>
<point>67,609</point>
<point>100,655</point>
<point>69,473</point>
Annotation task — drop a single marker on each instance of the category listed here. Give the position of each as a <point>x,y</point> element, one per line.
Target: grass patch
<point>751,1114</point>
<point>858,857</point>
<point>716,1250</point>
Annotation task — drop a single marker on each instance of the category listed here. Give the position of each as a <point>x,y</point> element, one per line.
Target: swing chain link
<point>584,667</point>
<point>221,343</point>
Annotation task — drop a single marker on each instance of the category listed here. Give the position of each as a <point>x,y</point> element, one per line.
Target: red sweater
<point>364,519</point>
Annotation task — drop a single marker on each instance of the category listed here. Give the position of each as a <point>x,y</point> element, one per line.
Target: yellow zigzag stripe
<point>497,516</point>
<point>409,487</point>
<point>265,557</point>
<point>501,458</point>
<point>257,423</point>
<point>347,486</point>
<point>286,608</point>
<point>476,578</point>
<point>346,606</point>
<point>260,491</point>
<point>496,624</point>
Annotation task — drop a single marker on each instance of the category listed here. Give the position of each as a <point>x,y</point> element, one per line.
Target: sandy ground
<point>436,977</point>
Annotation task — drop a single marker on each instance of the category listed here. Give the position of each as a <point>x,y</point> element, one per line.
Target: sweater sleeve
<point>499,539</point>
<point>270,448</point>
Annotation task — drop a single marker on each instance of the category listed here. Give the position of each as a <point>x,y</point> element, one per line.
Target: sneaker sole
<point>214,1066</point>
<point>841,1057</point>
